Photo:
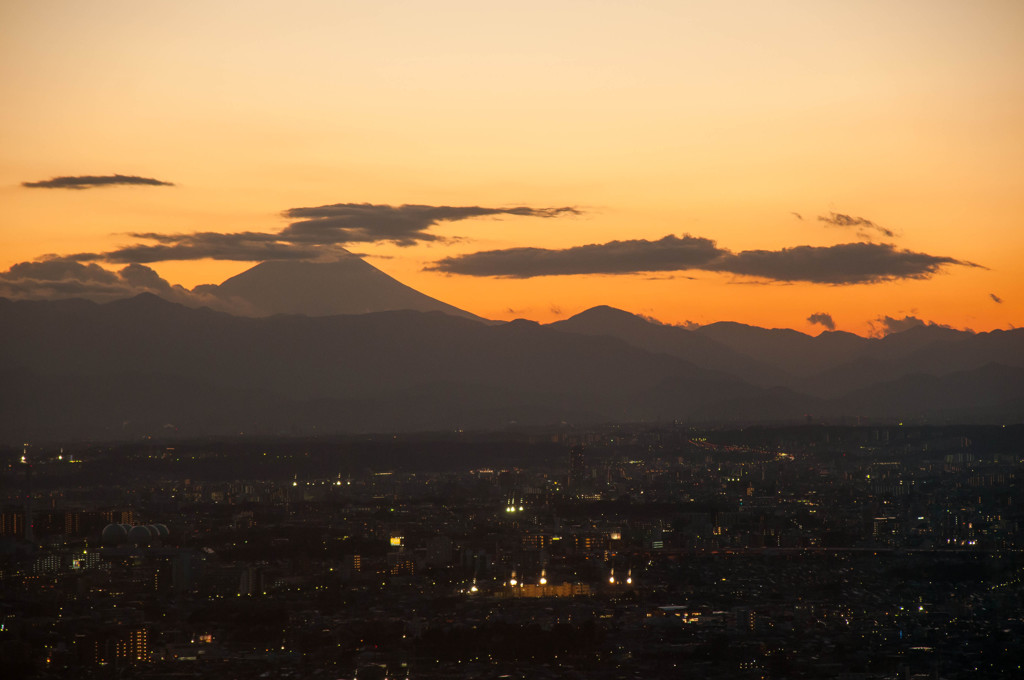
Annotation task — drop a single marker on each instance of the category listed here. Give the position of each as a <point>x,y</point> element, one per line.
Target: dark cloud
<point>60,278</point>
<point>797,215</point>
<point>57,270</point>
<point>402,225</point>
<point>887,325</point>
<point>671,253</point>
<point>652,320</point>
<point>884,325</point>
<point>54,279</point>
<point>996,298</point>
<point>861,224</point>
<point>323,235</point>
<point>822,319</point>
<point>245,246</point>
<point>140,276</point>
<point>842,264</point>
<point>93,181</point>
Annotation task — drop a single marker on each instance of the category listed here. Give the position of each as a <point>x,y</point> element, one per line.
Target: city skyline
<point>803,165</point>
<point>608,552</point>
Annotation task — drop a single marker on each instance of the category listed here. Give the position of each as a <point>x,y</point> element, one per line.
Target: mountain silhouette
<point>827,366</point>
<point>348,285</point>
<point>145,366</point>
<point>82,369</point>
<point>672,340</point>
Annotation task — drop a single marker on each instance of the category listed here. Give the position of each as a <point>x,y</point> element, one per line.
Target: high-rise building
<point>252,582</point>
<point>577,468</point>
<point>12,522</point>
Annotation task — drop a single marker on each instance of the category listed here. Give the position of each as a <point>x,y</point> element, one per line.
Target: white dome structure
<point>140,535</point>
<point>113,534</point>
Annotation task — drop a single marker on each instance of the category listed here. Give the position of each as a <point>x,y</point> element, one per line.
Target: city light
<point>401,541</point>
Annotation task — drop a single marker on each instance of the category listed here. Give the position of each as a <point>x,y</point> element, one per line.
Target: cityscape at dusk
<point>550,340</point>
<point>643,552</point>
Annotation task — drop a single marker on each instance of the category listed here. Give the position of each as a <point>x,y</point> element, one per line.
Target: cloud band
<point>843,264</point>
<point>324,232</point>
<point>93,181</point>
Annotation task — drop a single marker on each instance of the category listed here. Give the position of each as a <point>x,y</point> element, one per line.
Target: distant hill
<point>145,366</point>
<point>672,340</point>
<point>827,366</point>
<point>993,392</point>
<point>80,369</point>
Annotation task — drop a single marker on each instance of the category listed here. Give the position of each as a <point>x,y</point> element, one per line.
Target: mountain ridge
<point>131,367</point>
<point>827,365</point>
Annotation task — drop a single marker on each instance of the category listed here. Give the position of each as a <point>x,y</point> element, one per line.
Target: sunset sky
<point>854,163</point>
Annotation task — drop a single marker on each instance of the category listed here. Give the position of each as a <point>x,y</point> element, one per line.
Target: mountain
<point>144,366</point>
<point>80,369</point>
<point>827,366</point>
<point>993,391</point>
<point>672,340</point>
<point>349,285</point>
<point>796,353</point>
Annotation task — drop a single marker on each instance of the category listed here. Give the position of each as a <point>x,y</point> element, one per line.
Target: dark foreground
<point>621,553</point>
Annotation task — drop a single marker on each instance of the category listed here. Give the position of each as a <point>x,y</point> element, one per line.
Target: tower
<point>30,535</point>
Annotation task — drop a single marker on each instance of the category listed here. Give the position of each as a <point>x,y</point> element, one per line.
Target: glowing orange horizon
<point>743,125</point>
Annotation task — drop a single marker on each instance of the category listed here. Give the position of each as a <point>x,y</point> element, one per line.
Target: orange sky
<point>719,120</point>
